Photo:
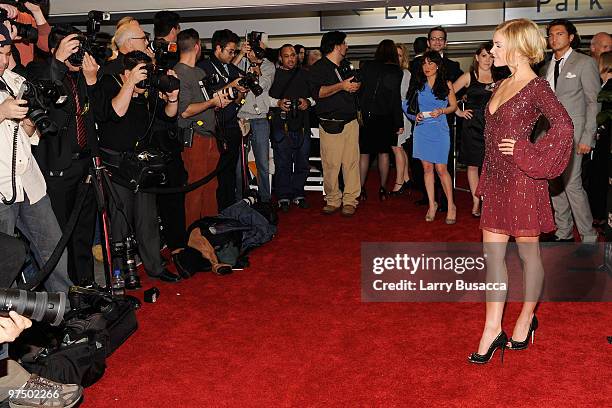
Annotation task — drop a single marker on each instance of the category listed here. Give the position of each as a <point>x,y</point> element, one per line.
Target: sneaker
<point>39,392</point>
<point>301,202</point>
<point>284,205</point>
<point>348,210</point>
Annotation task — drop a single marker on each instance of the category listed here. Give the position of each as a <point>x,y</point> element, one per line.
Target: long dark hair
<point>386,52</point>
<point>484,46</point>
<point>440,88</point>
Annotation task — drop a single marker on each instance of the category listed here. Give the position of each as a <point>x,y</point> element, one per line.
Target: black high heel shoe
<point>500,341</point>
<point>400,191</point>
<point>522,345</point>
<point>382,194</point>
<point>364,195</point>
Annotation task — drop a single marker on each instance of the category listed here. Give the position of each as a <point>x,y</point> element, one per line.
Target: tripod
<point>104,192</point>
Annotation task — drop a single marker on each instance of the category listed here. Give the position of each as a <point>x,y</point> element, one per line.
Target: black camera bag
<point>77,357</point>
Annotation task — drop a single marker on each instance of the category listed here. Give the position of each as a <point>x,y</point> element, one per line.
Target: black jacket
<point>380,91</point>
<point>55,150</point>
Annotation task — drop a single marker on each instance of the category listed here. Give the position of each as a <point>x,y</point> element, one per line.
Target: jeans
<point>291,153</point>
<point>260,141</point>
<point>38,224</point>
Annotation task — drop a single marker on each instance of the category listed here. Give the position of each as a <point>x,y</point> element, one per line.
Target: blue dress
<point>431,135</point>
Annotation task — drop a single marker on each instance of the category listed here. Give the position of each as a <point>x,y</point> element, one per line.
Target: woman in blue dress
<point>436,99</point>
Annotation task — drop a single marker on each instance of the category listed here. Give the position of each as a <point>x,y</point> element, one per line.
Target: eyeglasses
<point>231,51</point>
<point>145,38</point>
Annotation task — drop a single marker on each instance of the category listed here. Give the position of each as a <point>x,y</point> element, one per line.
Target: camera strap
<point>286,87</point>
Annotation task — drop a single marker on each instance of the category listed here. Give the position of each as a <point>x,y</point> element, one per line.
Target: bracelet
<point>174,101</point>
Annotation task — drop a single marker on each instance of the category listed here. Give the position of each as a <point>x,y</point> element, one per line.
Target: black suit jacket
<point>55,151</point>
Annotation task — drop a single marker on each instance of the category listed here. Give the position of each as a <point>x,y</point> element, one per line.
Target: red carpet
<point>292,331</point>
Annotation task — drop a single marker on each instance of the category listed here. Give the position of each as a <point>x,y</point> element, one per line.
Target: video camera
<point>346,71</point>
<point>98,48</point>
<point>28,33</point>
<point>39,306</point>
<point>254,40</point>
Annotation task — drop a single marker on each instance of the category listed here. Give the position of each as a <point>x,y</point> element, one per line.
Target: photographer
<point>128,118</point>
<point>65,156</point>
<point>290,100</point>
<point>198,113</point>
<point>229,136</point>
<point>33,17</point>
<point>338,129</point>
<point>128,37</point>
<point>255,110</point>
<point>25,204</point>
<point>166,26</point>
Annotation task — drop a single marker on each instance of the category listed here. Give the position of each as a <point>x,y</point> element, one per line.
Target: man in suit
<point>575,79</point>
<point>437,41</point>
<point>64,157</point>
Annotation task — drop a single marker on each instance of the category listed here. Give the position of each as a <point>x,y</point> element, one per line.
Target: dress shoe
<point>329,209</point>
<point>348,210</point>
<point>301,202</point>
<point>167,276</point>
<point>555,238</point>
<point>179,267</point>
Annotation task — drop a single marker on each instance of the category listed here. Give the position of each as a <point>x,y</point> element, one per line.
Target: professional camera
<point>254,40</point>
<point>166,54</point>
<point>28,33</point>
<point>212,83</point>
<point>98,48</point>
<point>40,96</point>
<point>346,70</point>
<point>39,306</point>
<point>251,82</point>
<point>294,107</point>
<point>157,79</point>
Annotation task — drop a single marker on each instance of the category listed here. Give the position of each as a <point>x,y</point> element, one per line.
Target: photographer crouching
<point>25,203</point>
<point>130,108</point>
<point>290,100</point>
<point>64,155</point>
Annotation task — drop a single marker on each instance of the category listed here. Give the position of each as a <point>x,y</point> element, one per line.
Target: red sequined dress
<point>515,187</point>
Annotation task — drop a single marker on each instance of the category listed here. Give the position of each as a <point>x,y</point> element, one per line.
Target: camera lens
<point>39,306</point>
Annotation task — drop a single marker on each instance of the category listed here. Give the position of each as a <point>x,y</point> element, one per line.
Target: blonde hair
<point>523,38</point>
<point>605,62</point>
<point>405,55</point>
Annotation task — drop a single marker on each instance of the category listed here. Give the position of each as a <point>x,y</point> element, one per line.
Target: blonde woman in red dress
<point>513,184</point>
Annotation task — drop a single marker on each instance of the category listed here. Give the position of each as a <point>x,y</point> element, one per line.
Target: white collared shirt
<point>550,74</point>
<point>28,175</point>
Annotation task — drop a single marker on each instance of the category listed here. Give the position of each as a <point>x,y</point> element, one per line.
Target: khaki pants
<point>341,151</point>
<point>12,377</point>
